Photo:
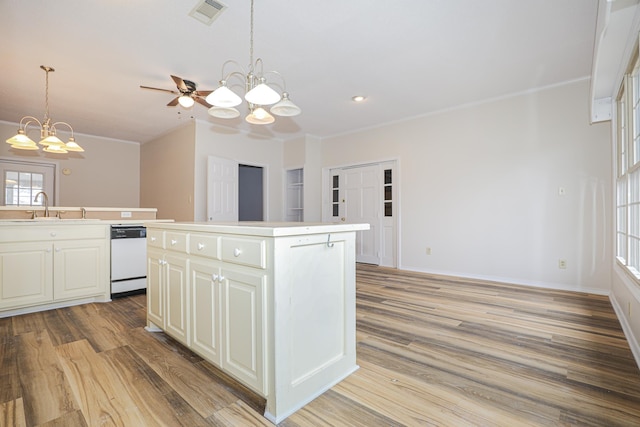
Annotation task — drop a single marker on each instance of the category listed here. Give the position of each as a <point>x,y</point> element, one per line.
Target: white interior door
<point>222,189</point>
<point>366,194</point>
<point>361,194</point>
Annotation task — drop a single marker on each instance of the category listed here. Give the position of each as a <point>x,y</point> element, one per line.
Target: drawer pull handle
<point>237,252</point>
<point>153,239</point>
<point>200,246</point>
<point>48,250</point>
<point>220,278</point>
<point>53,234</point>
<point>57,249</point>
<point>173,242</point>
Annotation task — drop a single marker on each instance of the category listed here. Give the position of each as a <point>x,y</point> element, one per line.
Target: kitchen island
<point>271,304</point>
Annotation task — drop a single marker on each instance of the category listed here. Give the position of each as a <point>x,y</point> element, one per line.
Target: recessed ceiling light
<point>358,98</point>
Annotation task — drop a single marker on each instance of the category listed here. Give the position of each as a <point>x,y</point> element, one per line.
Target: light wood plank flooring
<point>432,350</point>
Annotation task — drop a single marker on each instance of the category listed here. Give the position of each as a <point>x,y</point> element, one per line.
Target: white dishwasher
<point>128,259</point>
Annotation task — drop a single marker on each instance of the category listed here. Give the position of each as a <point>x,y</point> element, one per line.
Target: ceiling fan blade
<point>174,102</point>
<point>180,83</point>
<point>202,102</point>
<point>157,88</point>
<point>202,92</point>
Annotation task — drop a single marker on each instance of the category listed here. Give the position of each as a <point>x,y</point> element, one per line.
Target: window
<point>335,190</point>
<point>628,173</point>
<point>22,180</point>
<point>388,192</point>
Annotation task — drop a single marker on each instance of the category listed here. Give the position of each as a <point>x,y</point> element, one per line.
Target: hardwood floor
<point>432,350</point>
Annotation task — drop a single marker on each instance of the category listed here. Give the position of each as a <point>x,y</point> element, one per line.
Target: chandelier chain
<point>46,96</point>
<point>251,41</point>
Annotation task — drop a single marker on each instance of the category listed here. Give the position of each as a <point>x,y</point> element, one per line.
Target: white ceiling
<point>409,57</point>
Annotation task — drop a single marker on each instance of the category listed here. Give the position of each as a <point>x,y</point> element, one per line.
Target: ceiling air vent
<point>206,11</point>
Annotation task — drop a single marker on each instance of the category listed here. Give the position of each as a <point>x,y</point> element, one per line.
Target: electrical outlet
<point>428,251</point>
<point>562,264</point>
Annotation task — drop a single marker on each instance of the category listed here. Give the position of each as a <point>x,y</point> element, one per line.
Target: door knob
<point>343,219</point>
<point>200,246</point>
<point>237,252</point>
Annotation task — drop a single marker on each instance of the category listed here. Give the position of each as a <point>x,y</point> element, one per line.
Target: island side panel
<point>314,319</point>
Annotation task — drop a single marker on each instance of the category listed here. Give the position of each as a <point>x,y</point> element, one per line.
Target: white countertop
<point>57,221</point>
<point>259,228</point>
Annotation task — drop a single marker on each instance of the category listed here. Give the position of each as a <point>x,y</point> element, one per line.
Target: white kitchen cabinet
<point>206,309</point>
<point>177,297</point>
<point>44,266</point>
<point>271,304</point>
<point>244,323</point>
<point>168,286</point>
<point>25,274</point>
<point>79,268</point>
<point>155,286</point>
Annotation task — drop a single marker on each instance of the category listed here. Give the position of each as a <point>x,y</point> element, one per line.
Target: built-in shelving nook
<point>295,195</point>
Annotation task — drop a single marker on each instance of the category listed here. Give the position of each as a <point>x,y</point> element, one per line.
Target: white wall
<point>246,149</point>
<point>479,185</point>
<point>166,170</point>
<point>106,174</point>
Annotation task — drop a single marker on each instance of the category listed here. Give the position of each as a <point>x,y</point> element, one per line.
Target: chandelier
<point>48,139</point>
<point>258,93</point>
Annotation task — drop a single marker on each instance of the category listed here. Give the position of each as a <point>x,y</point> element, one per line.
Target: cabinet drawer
<point>39,232</point>
<point>251,252</point>
<point>176,241</point>
<point>155,238</point>
<point>204,245</point>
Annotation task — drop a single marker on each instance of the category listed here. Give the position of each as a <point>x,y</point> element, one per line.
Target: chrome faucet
<point>46,202</point>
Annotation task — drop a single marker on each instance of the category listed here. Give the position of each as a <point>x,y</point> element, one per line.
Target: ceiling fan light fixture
<point>223,97</point>
<point>224,112</point>
<point>186,101</point>
<point>285,108</point>
<point>259,116</point>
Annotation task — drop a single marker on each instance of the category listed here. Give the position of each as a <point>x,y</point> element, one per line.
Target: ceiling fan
<point>187,93</point>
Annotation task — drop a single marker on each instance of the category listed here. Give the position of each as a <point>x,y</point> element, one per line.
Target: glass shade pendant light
<point>262,94</point>
<point>285,107</point>
<point>258,92</point>
<point>260,116</point>
<point>224,112</point>
<point>223,96</point>
<point>56,149</point>
<point>72,145</point>
<point>49,140</point>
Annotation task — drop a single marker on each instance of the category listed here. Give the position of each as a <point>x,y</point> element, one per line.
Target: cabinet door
<point>25,274</point>
<point>155,287</point>
<point>79,268</point>
<point>176,284</point>
<point>244,326</point>
<point>206,315</point>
